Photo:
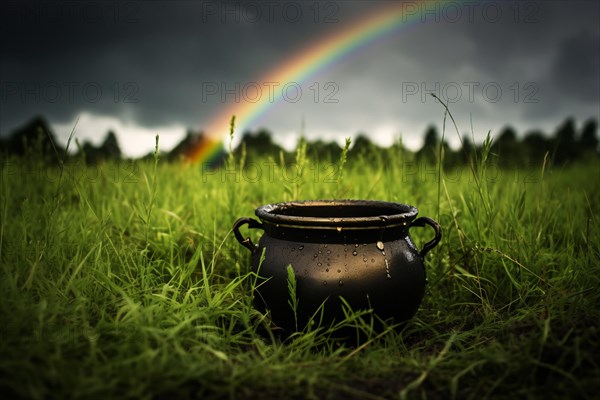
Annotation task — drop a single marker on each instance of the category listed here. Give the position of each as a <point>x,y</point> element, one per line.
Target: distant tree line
<point>565,145</point>
<point>36,139</point>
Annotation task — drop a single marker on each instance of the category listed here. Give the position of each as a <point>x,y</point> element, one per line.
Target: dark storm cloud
<point>577,68</point>
<point>151,61</point>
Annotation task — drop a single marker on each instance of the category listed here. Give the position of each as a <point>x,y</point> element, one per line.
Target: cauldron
<point>359,250</point>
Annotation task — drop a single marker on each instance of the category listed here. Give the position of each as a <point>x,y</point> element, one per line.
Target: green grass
<point>124,280</point>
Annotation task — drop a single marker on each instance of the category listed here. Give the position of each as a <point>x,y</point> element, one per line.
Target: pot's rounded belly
<point>387,277</point>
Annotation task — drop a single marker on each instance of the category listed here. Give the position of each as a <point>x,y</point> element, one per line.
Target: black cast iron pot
<point>356,249</point>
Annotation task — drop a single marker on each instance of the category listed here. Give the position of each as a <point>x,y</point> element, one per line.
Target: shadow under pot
<point>358,250</point>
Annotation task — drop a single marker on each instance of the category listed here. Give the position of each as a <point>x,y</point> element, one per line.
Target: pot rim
<point>373,213</point>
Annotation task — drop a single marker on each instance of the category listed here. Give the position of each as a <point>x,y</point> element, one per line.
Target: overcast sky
<point>142,68</point>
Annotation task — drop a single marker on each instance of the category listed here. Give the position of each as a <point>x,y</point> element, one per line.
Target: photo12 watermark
<point>72,169</point>
<point>255,92</point>
<point>68,92</point>
<point>471,12</point>
<point>454,92</point>
<point>108,13</point>
<point>248,12</point>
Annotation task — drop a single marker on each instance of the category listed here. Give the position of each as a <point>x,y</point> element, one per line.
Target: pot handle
<point>438,233</point>
<point>247,242</point>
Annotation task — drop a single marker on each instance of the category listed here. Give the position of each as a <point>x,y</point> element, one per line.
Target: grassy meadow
<point>123,280</point>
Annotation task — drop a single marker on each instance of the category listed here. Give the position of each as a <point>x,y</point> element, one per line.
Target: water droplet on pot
<point>315,255</point>
<point>324,283</point>
<point>383,252</point>
<point>341,283</point>
<point>365,259</point>
<point>339,229</point>
<point>301,247</point>
<point>372,260</point>
<point>389,276</point>
<point>380,245</point>
<point>356,245</point>
<point>320,252</point>
<point>354,253</point>
<point>326,269</point>
<point>328,251</point>
<point>325,246</point>
<point>339,271</point>
<point>319,264</point>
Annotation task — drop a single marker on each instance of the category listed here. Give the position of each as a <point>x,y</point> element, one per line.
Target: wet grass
<point>124,281</point>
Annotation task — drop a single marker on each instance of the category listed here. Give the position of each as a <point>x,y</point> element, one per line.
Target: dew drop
<point>380,245</point>
<point>354,253</point>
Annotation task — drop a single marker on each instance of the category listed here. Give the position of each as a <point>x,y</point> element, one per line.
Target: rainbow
<point>307,63</point>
